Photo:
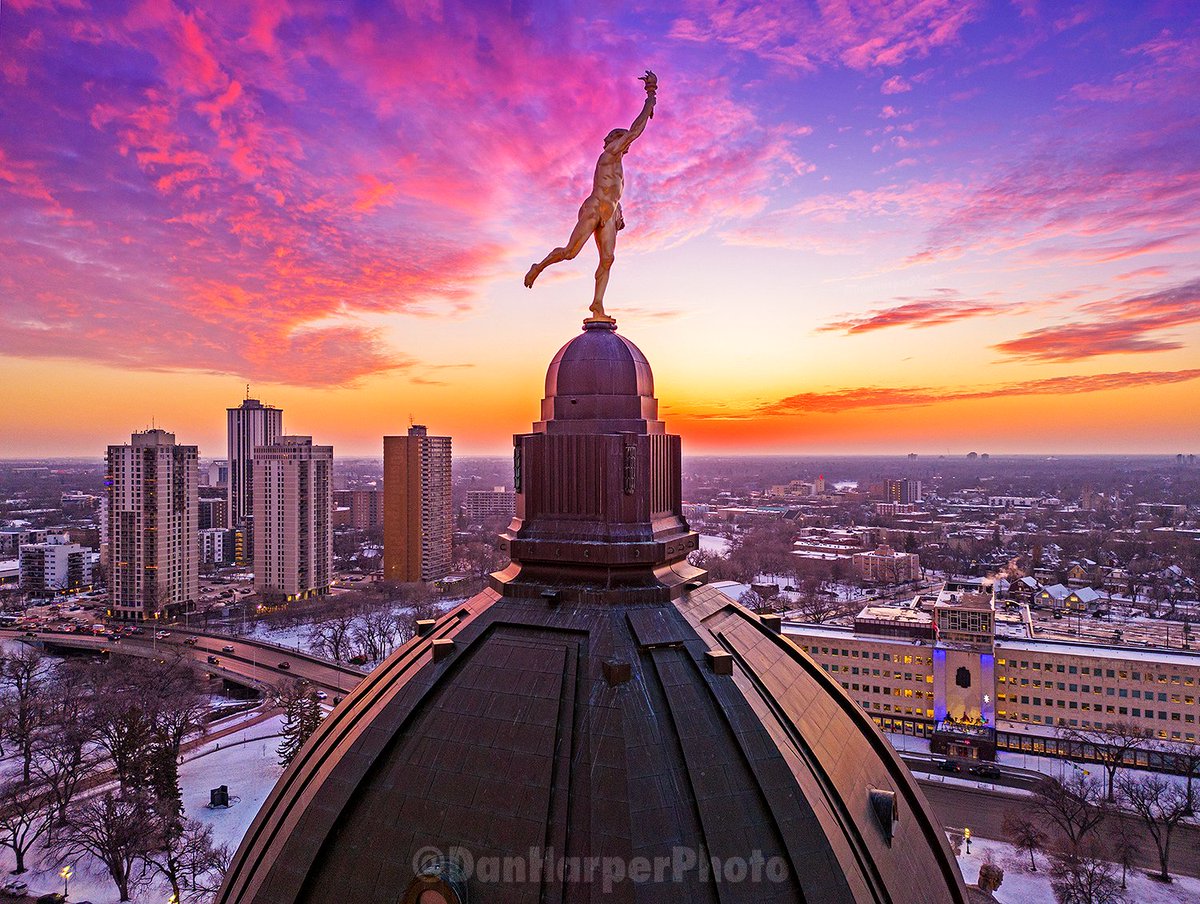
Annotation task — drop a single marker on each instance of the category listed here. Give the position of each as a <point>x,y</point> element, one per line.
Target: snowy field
<point>1023,887</point>
<point>718,545</point>
<point>245,761</point>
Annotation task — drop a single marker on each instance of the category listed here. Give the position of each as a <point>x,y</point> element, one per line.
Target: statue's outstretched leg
<point>606,245</point>
<point>579,236</point>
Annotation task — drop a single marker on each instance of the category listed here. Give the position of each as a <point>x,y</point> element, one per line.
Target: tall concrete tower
<point>251,424</point>
<point>152,489</point>
<point>418,521</point>
<point>293,519</point>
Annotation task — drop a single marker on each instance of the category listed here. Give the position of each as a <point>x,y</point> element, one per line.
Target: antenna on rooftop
<point>247,391</point>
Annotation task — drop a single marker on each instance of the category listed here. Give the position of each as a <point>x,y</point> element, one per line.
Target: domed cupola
<point>599,382</point>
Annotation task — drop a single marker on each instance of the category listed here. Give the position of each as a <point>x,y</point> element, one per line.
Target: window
<point>963,677</point>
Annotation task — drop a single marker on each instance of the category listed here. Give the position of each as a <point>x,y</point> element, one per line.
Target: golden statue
<point>600,215</point>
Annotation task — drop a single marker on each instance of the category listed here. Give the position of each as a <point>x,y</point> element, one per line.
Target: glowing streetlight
<point>967,838</point>
<point>66,872</point>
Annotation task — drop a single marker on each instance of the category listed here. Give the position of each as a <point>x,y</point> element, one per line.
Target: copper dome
<point>600,376</point>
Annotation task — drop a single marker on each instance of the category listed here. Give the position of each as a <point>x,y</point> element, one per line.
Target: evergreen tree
<point>302,714</point>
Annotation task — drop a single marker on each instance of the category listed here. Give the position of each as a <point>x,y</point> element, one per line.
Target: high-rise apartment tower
<point>251,424</point>
<point>293,519</point>
<point>151,494</point>
<point>418,522</point>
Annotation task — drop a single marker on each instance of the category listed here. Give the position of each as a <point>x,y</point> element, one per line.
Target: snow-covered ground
<point>1023,887</point>
<point>718,545</point>
<point>244,761</point>
<point>298,637</point>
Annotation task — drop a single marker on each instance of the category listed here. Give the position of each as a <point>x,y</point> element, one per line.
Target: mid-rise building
<point>11,541</point>
<point>293,519</point>
<point>494,503</point>
<point>364,507</point>
<point>55,567</point>
<point>937,668</point>
<point>884,565</point>
<point>213,512</point>
<point>251,424</point>
<point>905,489</point>
<point>216,474</point>
<point>218,545</point>
<point>152,522</point>
<point>418,521</point>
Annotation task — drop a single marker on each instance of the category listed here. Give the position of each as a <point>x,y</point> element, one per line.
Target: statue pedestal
<point>598,323</point>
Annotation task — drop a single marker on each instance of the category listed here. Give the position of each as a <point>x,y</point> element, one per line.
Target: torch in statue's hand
<point>651,82</point>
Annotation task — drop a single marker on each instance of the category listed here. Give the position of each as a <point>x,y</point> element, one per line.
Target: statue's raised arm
<point>647,114</point>
<point>600,214</point>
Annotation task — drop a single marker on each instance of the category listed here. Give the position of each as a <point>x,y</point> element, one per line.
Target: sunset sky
<point>932,225</point>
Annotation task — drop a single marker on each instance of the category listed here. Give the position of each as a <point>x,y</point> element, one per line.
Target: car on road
<point>321,695</point>
<point>949,766</point>
<point>191,641</point>
<point>213,660</point>
<point>162,635</point>
<point>285,665</point>
<point>228,648</point>
<point>985,770</point>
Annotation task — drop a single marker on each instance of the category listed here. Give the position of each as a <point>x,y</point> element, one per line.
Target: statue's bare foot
<point>533,274</point>
<point>598,315</point>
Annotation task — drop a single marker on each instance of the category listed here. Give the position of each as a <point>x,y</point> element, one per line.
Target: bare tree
<point>1184,756</point>
<point>179,701</point>
<point>1024,834</point>
<point>1075,806</point>
<point>751,599</point>
<point>188,860</point>
<point>123,719</point>
<point>1111,745</point>
<point>24,818</point>
<point>375,634</point>
<point>118,830</point>
<point>1084,877</point>
<point>1162,806</point>
<point>64,752</point>
<point>23,677</point>
<point>333,638</point>
<point>1124,848</point>
<point>816,604</point>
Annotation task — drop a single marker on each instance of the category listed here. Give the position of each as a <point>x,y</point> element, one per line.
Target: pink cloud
<point>1122,326</point>
<point>839,400</point>
<point>895,85</point>
<point>860,34</point>
<point>283,171</point>
<point>945,306</point>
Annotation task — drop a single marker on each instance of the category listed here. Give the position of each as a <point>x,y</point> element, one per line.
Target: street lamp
<point>66,872</point>
<point>967,839</point>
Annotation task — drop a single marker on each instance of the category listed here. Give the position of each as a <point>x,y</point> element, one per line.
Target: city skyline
<point>947,227</point>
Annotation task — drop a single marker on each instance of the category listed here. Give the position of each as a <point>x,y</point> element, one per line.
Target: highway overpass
<point>253,664</point>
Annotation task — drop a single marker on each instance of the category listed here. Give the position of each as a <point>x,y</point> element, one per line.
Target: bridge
<point>253,664</point>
